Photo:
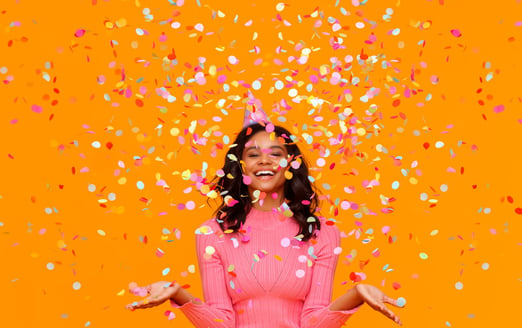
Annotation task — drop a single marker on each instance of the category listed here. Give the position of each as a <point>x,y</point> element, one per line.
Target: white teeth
<point>264,173</point>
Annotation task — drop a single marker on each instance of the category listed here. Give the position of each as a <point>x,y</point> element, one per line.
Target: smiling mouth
<point>264,173</point>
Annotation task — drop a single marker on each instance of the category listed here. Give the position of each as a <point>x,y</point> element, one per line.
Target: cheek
<point>247,166</point>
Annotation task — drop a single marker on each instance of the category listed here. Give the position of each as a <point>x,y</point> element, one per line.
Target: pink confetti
<point>200,78</point>
<point>199,27</point>
<point>456,33</point>
<point>79,33</point>
<point>170,315</point>
<point>190,205</point>
<point>498,109</point>
<point>233,60</point>
<point>36,109</point>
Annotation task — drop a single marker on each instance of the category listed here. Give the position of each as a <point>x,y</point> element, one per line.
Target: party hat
<point>254,113</point>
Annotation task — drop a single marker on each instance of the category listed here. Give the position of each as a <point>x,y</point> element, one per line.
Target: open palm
<point>155,294</point>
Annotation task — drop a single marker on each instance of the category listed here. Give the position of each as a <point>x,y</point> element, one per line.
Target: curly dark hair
<point>298,191</point>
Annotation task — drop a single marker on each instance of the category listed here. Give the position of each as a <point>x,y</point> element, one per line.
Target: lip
<point>265,171</point>
<point>264,177</point>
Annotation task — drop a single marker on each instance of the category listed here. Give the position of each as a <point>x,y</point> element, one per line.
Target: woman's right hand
<point>155,294</point>
<point>376,299</point>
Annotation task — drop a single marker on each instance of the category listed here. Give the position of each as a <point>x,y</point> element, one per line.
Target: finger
<point>390,300</point>
<point>150,301</point>
<point>389,313</point>
<point>143,304</point>
<point>399,302</point>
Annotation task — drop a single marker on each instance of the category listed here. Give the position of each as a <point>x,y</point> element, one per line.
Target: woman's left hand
<point>376,299</point>
<point>155,294</point>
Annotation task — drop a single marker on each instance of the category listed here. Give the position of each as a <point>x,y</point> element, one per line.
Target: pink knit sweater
<point>265,278</point>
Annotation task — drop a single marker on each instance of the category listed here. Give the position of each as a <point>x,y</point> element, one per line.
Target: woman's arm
<point>216,311</point>
<point>317,309</point>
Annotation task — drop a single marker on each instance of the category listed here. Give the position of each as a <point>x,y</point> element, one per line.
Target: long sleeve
<point>316,312</point>
<point>216,311</point>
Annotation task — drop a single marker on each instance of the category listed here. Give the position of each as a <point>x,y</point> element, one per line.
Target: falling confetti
<point>406,115</point>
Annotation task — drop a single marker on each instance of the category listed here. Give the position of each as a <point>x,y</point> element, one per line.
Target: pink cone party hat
<point>254,112</point>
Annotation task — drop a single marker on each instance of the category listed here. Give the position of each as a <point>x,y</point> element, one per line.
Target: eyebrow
<point>271,148</point>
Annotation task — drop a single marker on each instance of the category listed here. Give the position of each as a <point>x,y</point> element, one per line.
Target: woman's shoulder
<point>328,231</point>
<point>209,227</point>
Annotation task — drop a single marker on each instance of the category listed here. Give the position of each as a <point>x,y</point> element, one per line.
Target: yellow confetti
<point>210,250</point>
<point>174,132</point>
<point>185,175</point>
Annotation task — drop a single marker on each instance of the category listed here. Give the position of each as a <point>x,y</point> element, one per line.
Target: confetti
<point>456,33</point>
<point>374,102</point>
<point>36,108</point>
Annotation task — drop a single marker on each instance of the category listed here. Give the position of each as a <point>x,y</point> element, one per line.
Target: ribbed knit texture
<point>264,277</point>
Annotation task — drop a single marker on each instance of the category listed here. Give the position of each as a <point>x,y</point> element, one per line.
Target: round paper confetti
<point>285,242</point>
<point>300,273</point>
<point>190,205</point>
<point>210,250</point>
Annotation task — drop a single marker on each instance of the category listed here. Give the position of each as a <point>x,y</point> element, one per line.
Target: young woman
<point>266,259</point>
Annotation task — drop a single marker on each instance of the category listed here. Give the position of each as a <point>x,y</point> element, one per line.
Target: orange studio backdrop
<point>116,114</point>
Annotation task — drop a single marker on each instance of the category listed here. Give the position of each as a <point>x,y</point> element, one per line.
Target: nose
<point>264,159</point>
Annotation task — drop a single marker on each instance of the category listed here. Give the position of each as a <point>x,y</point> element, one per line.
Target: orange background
<point>75,227</point>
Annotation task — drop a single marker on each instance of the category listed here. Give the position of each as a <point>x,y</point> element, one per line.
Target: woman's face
<point>261,164</point>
